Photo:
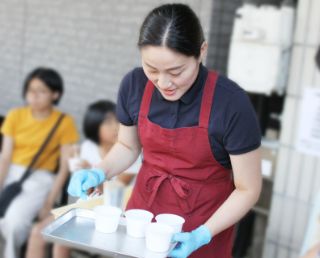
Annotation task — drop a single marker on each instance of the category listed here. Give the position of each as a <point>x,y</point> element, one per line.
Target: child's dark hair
<point>94,117</point>
<point>49,77</point>
<point>175,26</point>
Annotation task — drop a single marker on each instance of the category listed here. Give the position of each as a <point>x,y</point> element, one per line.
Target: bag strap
<point>43,146</point>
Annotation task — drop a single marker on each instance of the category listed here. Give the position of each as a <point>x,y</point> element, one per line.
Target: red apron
<point>180,175</point>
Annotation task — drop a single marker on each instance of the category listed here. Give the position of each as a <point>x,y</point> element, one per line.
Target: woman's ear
<point>203,51</point>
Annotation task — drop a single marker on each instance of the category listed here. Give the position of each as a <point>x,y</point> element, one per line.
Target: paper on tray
<point>84,204</point>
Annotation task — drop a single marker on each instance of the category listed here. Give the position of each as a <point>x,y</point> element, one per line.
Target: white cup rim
<point>174,218</point>
<point>138,214</point>
<point>165,229</point>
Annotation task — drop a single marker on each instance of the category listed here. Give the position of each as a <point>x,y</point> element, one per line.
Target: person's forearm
<point>232,210</point>
<point>119,158</point>
<point>56,189</point>
<point>4,168</point>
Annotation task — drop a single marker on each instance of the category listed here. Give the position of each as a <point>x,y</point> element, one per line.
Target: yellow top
<point>29,133</point>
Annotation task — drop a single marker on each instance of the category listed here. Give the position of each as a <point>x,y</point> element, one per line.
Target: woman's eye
<point>175,74</point>
<point>153,71</point>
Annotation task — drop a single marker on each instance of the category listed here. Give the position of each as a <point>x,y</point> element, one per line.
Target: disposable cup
<point>173,220</point>
<point>158,237</point>
<point>74,164</point>
<point>137,220</point>
<point>107,218</point>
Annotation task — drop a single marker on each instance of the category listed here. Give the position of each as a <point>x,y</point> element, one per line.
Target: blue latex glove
<point>189,242</point>
<point>83,180</point>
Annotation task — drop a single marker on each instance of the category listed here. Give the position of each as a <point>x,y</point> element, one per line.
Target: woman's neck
<point>41,113</point>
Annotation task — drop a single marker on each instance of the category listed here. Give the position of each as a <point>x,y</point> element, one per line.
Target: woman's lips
<point>169,92</point>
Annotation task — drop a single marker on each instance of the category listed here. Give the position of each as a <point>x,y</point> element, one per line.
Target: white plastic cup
<point>173,220</point>
<point>74,164</point>
<point>158,237</point>
<point>113,193</point>
<point>107,218</point>
<point>137,221</point>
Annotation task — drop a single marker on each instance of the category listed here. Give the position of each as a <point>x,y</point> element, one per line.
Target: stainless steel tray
<point>76,229</point>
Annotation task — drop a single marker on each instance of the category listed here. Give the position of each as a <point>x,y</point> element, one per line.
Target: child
<point>100,127</point>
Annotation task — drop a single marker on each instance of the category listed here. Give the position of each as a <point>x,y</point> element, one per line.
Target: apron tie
<point>180,187</point>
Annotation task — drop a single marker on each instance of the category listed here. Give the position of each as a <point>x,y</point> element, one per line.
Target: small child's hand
<point>83,164</point>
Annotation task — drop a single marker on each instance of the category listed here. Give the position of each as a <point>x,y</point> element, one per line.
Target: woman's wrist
<point>209,226</point>
<point>101,167</point>
<point>203,235</point>
<point>100,173</point>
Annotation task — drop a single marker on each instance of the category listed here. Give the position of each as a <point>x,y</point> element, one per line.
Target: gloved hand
<point>189,242</point>
<point>83,180</point>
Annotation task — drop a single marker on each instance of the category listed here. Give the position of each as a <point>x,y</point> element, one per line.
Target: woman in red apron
<point>198,133</point>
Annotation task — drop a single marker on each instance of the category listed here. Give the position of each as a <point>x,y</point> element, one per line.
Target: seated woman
<point>100,128</point>
<point>24,131</point>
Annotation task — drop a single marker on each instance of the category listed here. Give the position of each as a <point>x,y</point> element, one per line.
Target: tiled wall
<point>221,25</point>
<point>91,42</point>
<point>220,33</point>
<point>297,175</point>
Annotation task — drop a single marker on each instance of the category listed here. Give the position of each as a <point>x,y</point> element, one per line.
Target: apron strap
<point>207,99</point>
<point>206,103</point>
<point>146,99</point>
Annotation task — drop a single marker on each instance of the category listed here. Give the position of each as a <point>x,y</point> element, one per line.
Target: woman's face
<point>39,96</point>
<point>172,73</point>
<point>108,131</point>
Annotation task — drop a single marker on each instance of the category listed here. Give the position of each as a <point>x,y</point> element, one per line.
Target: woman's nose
<point>164,83</point>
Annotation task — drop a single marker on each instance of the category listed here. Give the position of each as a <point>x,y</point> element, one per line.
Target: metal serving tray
<point>76,229</point>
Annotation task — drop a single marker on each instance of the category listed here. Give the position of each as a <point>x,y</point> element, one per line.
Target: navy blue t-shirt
<point>233,126</point>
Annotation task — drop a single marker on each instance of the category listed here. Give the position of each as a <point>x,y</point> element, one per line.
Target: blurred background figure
<point>311,245</point>
<point>313,252</point>
<point>100,128</point>
<point>24,130</point>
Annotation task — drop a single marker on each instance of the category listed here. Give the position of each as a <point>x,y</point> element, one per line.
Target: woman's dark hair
<point>49,77</point>
<point>94,117</point>
<point>175,26</point>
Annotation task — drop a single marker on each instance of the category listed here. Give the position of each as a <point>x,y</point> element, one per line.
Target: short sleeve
<point>122,109</point>
<point>69,133</point>
<point>9,124</point>
<point>242,131</point>
<point>130,95</point>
